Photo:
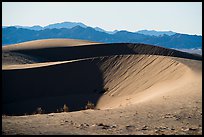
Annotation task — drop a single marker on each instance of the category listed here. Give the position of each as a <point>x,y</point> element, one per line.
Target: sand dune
<point>137,88</point>
<point>52,50</point>
<point>109,75</point>
<point>13,58</point>
<point>47,43</point>
<point>131,79</point>
<point>14,54</point>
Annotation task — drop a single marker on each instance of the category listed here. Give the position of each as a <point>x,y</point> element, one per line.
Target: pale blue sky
<point>181,17</point>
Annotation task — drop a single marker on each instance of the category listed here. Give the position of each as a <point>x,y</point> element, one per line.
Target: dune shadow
<point>99,50</point>
<point>50,87</point>
<point>78,52</point>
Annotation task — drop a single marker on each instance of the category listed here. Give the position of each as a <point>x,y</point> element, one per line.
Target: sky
<point>181,17</point>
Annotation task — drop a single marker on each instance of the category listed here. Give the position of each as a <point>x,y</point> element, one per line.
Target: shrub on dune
<point>65,108</point>
<point>39,111</point>
<point>89,105</point>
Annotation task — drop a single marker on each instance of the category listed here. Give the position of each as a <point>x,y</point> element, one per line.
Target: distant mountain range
<point>77,30</point>
<point>67,25</point>
<point>70,25</point>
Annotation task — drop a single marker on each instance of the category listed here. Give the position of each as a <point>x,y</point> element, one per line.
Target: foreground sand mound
<point>109,75</point>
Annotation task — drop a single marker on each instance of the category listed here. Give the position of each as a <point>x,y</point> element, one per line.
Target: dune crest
<point>47,43</point>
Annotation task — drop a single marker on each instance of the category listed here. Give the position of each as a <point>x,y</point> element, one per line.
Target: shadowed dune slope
<point>109,75</point>
<point>13,58</point>
<point>51,86</point>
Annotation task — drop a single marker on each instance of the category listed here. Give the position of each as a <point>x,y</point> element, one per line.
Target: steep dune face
<point>109,75</point>
<point>128,77</point>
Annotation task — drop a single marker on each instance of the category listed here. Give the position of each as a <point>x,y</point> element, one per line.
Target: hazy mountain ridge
<point>156,33</point>
<point>70,25</point>
<point>12,35</point>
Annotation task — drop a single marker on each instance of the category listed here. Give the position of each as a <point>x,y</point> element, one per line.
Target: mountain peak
<point>65,25</point>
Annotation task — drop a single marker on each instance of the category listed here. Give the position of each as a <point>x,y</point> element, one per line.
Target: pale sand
<point>145,94</point>
<point>47,43</point>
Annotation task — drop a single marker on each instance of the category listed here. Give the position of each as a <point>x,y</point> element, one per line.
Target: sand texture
<point>136,88</point>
